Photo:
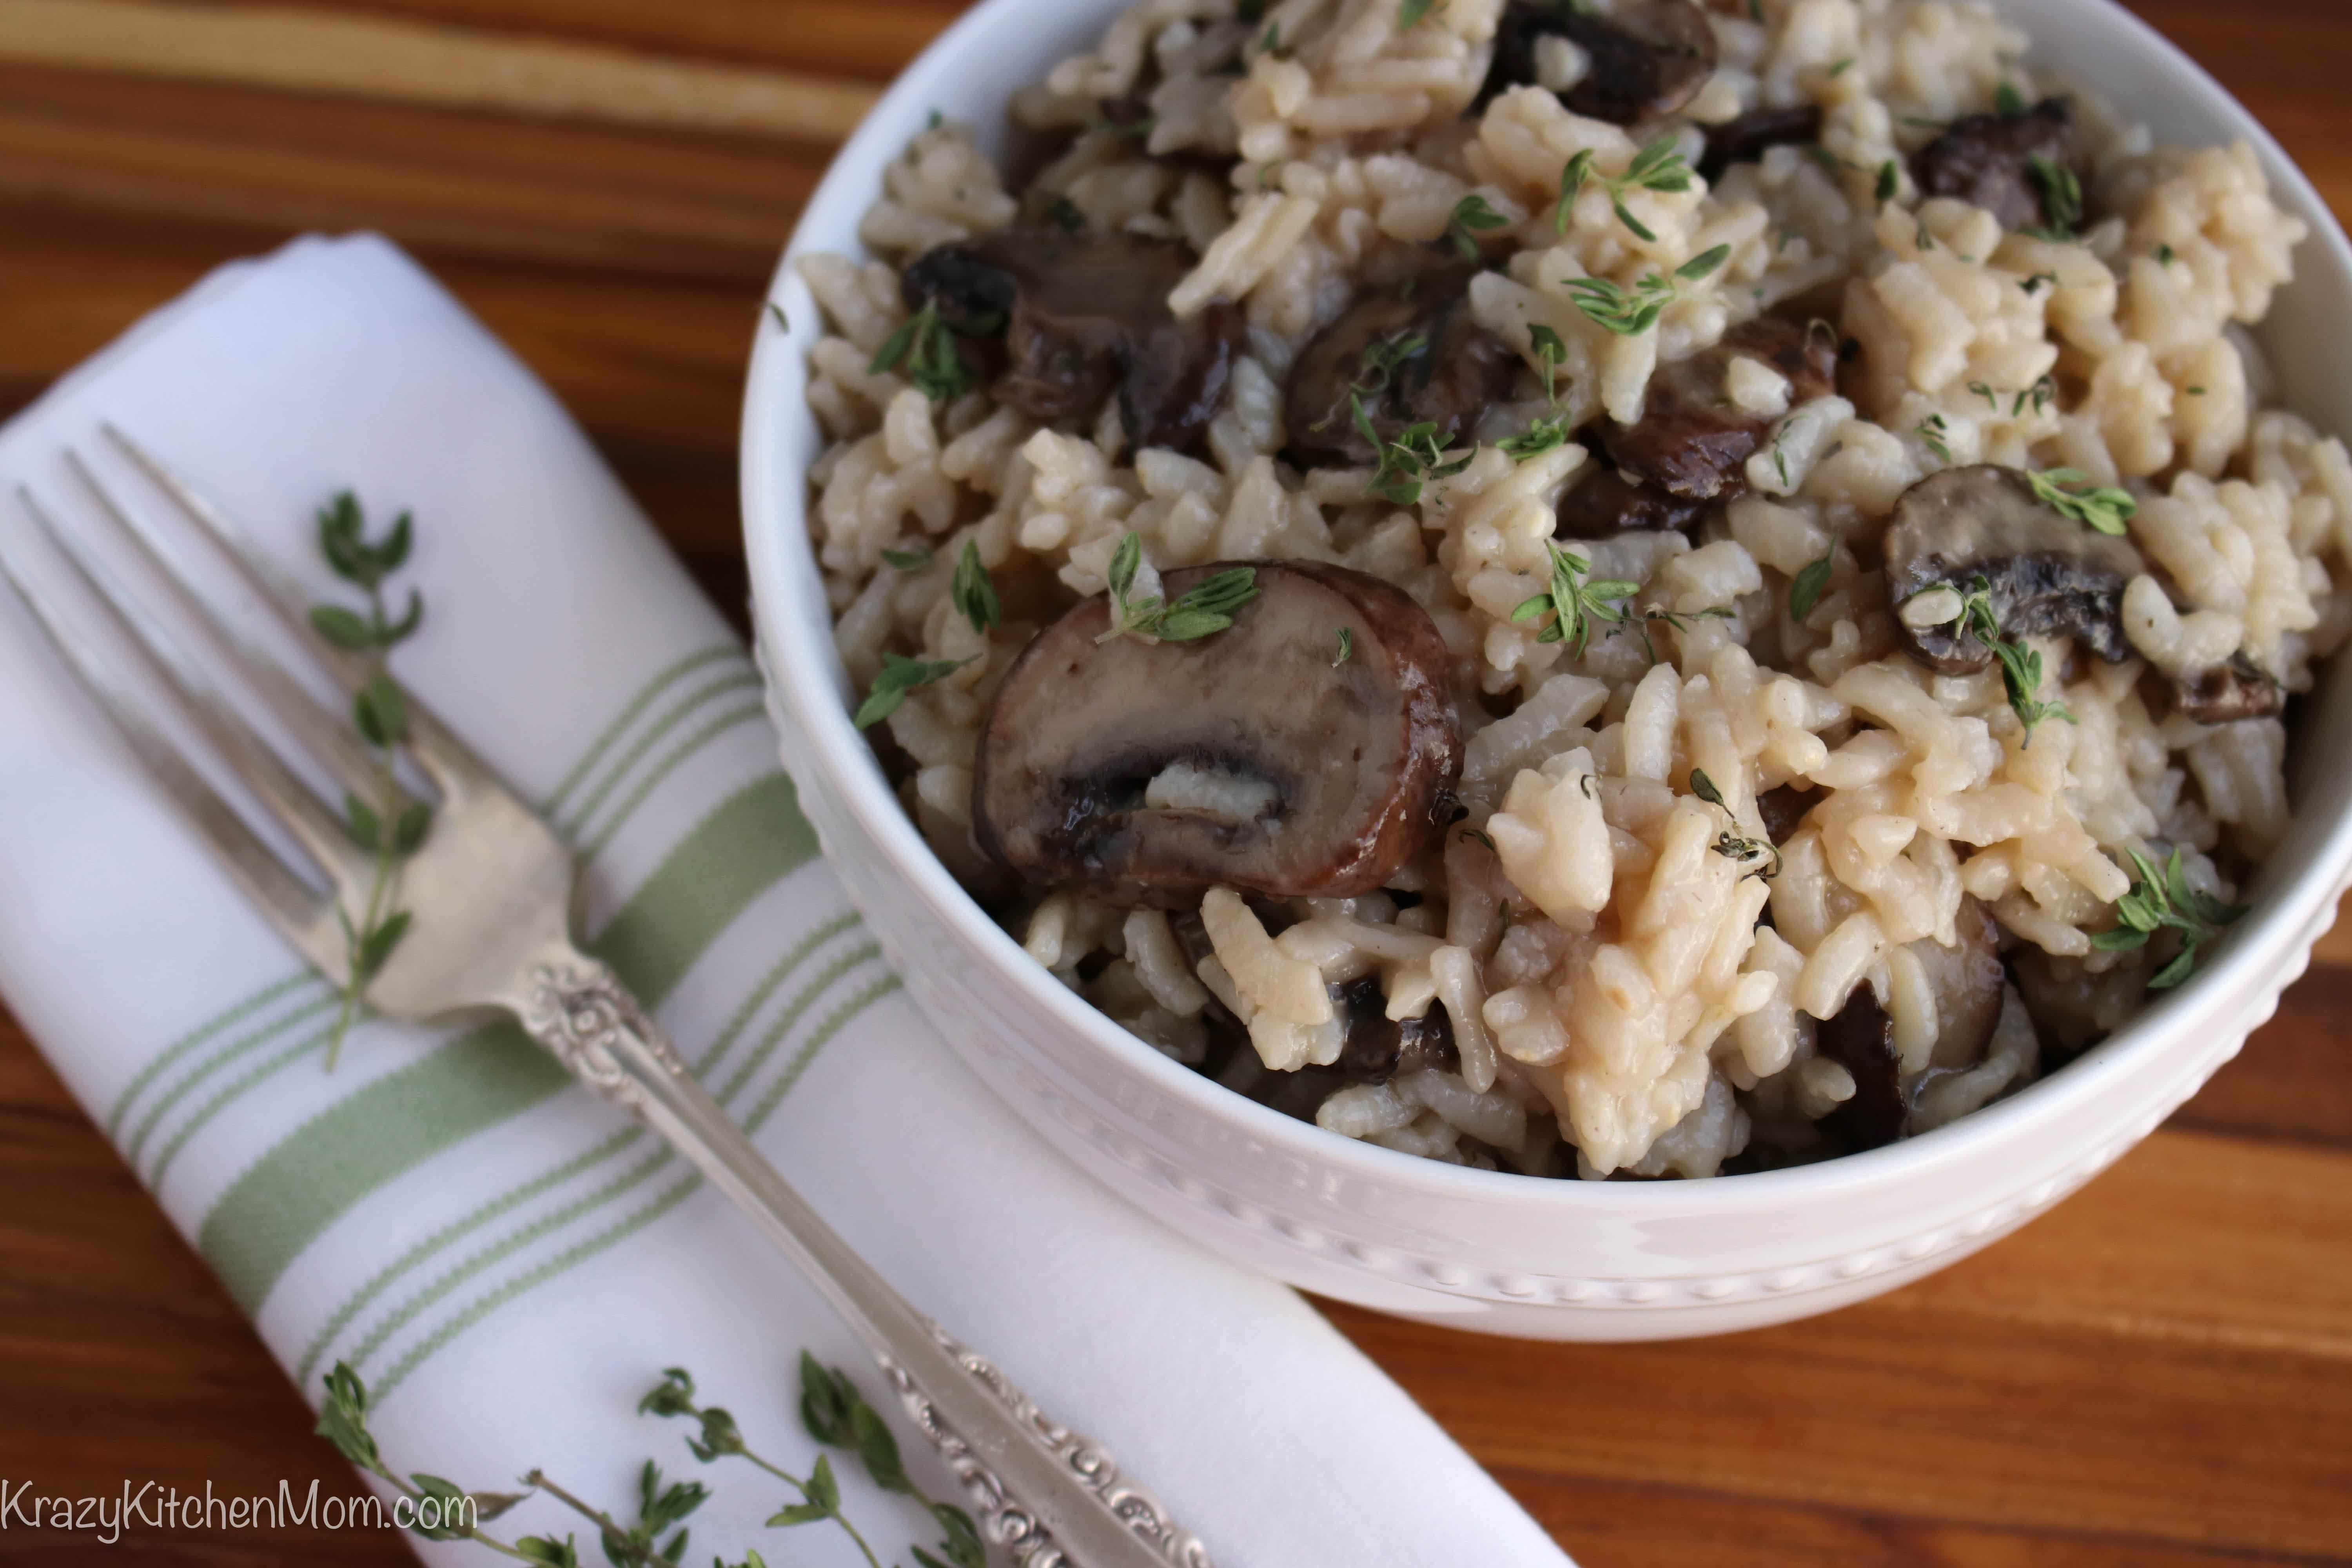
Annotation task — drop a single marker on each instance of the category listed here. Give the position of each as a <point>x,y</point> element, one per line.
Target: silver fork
<point>490,890</point>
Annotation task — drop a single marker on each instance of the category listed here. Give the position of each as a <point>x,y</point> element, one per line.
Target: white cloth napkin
<point>504,1259</point>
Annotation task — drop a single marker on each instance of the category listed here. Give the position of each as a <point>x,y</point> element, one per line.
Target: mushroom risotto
<point>1591,588</point>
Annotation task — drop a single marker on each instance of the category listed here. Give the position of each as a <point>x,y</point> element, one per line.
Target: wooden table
<point>2157,1375</point>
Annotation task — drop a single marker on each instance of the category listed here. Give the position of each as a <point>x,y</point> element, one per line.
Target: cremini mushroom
<point>2044,575</point>
<point>1380,1048</point>
<point>1691,447</point>
<point>1641,58</point>
<point>1410,352</point>
<point>1086,314</point>
<point>1966,983</point>
<point>1309,749</point>
<point>1861,1039</point>
<point>1967,979</point>
<point>1989,161</point>
<point>1745,138</point>
<point>2228,692</point>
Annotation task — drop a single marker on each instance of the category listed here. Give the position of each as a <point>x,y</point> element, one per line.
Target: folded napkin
<point>508,1262</point>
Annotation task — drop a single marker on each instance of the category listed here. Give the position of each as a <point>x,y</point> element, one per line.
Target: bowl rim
<point>804,668</point>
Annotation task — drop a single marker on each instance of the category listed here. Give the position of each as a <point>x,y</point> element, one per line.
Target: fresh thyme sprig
<point>1935,433</point>
<point>1642,620</point>
<point>974,595</point>
<point>900,676</point>
<point>1551,430</point>
<point>831,1409</point>
<point>1208,608</point>
<point>1376,368</point>
<point>925,343</point>
<point>390,826</point>
<point>1659,166</point>
<point>1733,845</point>
<point>913,560</point>
<point>2061,198</point>
<point>2104,506</point>
<point>1415,457</point>
<point>1806,588</point>
<point>2163,901</point>
<point>1575,601</point>
<point>1629,312</point>
<point>2020,666</point>
<point>1471,216</point>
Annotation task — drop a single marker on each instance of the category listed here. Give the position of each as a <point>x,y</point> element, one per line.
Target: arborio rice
<point>1773,866</point>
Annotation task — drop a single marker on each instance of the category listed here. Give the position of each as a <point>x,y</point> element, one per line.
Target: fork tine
<point>446,760</point>
<point>261,769</point>
<point>304,918</point>
<point>327,739</point>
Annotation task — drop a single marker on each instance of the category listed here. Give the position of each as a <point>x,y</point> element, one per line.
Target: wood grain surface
<point>2159,1375</point>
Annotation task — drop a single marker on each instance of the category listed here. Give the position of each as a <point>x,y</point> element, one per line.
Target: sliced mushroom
<point>1861,1039</point>
<point>1783,810</point>
<point>1987,160</point>
<point>2229,692</point>
<point>1967,979</point>
<point>1644,57</point>
<point>1747,137</point>
<point>1087,313</point>
<point>1146,773</point>
<point>1606,503</point>
<point>2047,576</point>
<point>1412,353</point>
<point>1380,1048</point>
<point>1693,441</point>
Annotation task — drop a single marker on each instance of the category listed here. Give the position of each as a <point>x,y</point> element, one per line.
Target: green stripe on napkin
<point>298,1189</point>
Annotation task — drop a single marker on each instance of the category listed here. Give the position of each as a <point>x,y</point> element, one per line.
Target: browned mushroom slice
<point>1646,58</point>
<point>1861,1039</point>
<point>1967,979</point>
<point>1380,1048</point>
<point>1087,314</point>
<point>1783,810</point>
<point>1411,353</point>
<point>1605,503</point>
<point>1987,160</point>
<point>1692,442</point>
<point>1146,773</point>
<point>1747,137</point>
<point>2046,575</point>
<point>2227,693</point>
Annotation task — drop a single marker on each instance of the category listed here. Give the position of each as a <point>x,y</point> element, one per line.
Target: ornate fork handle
<point>1050,1497</point>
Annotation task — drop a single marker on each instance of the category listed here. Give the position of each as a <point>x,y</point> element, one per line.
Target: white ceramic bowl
<point>1507,1253</point>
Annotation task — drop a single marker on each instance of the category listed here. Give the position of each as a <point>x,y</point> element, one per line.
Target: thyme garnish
<point>831,1408</point>
<point>1806,588</point>
<point>900,676</point>
<point>2062,199</point>
<point>925,343</point>
<point>1629,312</point>
<point>1659,166</point>
<point>1574,602</point>
<point>1733,845</point>
<point>974,595</point>
<point>390,826</point>
<point>1416,457</point>
<point>2103,508</point>
<point>2163,901</point>
<point>1207,609</point>
<point>1552,430</point>
<point>1473,216</point>
<point>2020,666</point>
